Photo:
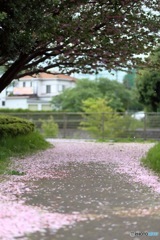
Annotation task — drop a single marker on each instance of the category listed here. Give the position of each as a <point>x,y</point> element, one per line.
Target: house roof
<point>46,76</point>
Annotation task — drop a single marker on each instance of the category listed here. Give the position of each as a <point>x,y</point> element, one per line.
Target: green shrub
<point>14,126</point>
<point>125,126</point>
<point>98,118</point>
<point>152,120</point>
<point>152,159</point>
<point>49,127</point>
<point>102,122</point>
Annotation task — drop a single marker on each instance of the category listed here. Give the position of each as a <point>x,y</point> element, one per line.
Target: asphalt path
<point>114,208</point>
<point>111,205</point>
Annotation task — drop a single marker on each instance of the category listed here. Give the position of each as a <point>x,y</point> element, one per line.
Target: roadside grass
<point>152,159</point>
<point>126,140</point>
<point>19,146</point>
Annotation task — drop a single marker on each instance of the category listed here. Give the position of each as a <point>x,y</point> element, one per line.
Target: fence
<point>99,125</point>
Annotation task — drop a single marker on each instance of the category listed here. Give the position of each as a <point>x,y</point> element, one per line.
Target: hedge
<point>14,126</point>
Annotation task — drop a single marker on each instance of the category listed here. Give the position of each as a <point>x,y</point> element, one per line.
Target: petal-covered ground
<point>18,219</point>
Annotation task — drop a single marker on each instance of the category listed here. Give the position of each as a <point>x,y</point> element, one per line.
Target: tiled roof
<point>49,76</point>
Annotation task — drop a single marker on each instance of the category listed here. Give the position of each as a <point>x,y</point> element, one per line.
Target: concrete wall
<point>14,103</point>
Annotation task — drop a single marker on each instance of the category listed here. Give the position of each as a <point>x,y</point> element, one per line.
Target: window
<point>3,103</point>
<point>48,88</point>
<point>14,83</point>
<point>61,88</point>
<point>24,84</point>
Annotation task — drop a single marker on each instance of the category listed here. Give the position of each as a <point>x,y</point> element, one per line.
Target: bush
<point>103,122</point>
<point>14,126</point>
<point>152,159</point>
<point>152,120</point>
<point>126,126</point>
<point>49,127</point>
<point>99,119</point>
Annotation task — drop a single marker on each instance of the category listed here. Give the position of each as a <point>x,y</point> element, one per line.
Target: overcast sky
<point>113,76</point>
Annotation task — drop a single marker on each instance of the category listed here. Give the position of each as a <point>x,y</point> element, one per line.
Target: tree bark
<point>12,71</point>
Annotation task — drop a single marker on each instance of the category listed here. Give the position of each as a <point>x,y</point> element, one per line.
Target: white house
<point>35,92</point>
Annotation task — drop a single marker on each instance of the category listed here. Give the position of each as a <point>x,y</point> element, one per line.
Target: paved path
<point>92,185</point>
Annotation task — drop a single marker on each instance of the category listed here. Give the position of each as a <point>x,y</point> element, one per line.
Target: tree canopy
<point>103,122</point>
<point>74,35</point>
<point>129,79</point>
<point>148,84</point>
<point>99,119</point>
<point>119,98</point>
<point>71,99</point>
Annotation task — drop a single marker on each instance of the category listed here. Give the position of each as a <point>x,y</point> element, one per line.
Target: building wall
<point>40,106</point>
<point>56,87</point>
<point>15,103</point>
<point>28,83</point>
<point>44,89</point>
<point>3,99</point>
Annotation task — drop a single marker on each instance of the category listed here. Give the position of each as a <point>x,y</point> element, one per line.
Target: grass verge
<point>20,146</point>
<point>126,140</point>
<point>152,159</point>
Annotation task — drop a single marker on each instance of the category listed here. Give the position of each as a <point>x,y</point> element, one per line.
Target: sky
<point>112,76</point>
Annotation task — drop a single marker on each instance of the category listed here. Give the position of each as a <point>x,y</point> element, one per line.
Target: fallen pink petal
<point>18,218</point>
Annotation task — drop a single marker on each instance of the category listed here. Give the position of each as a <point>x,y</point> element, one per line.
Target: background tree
<point>129,82</point>
<point>103,122</point>
<point>74,35</point>
<point>148,84</point>
<point>134,103</point>
<point>119,98</point>
<point>49,127</point>
<point>115,92</point>
<point>99,119</point>
<point>71,99</point>
<point>129,79</point>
